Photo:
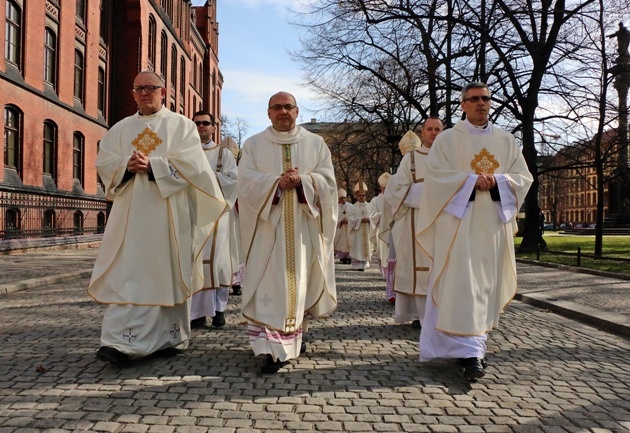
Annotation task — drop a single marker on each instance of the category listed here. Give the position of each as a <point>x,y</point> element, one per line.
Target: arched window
<point>182,78</point>
<point>163,55</point>
<point>13,138</point>
<point>152,41</point>
<point>79,77</point>
<point>78,146</point>
<point>77,223</point>
<point>50,149</point>
<point>104,21</point>
<point>12,223</point>
<point>173,66</point>
<point>100,222</point>
<point>102,89</point>
<point>50,57</point>
<point>49,224</point>
<point>14,33</point>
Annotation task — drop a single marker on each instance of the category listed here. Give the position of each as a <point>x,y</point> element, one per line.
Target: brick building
<point>66,76</point>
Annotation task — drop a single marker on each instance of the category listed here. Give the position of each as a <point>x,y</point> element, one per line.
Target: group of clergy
<point>442,228</point>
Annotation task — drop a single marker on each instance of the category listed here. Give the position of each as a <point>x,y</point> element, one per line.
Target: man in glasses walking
<point>165,202</point>
<point>287,199</point>
<point>217,262</point>
<point>474,183</point>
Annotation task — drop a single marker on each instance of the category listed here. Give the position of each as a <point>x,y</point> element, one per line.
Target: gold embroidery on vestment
<point>484,162</point>
<point>146,141</point>
<point>289,323</point>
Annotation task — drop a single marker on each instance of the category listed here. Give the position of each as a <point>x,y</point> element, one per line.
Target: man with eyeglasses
<point>287,198</point>
<point>165,202</point>
<point>217,262</point>
<point>475,181</point>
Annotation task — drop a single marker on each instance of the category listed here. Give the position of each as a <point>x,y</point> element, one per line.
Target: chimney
<point>313,120</point>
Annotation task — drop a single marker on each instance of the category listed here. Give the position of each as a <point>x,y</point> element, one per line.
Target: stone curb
<point>38,282</point>
<point>611,322</point>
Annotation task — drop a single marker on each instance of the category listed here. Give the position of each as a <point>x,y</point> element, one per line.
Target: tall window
<point>102,88</point>
<point>163,54</point>
<point>50,149</point>
<point>77,157</point>
<point>77,220</point>
<point>50,57</point>
<point>182,77</point>
<point>103,24</point>
<point>12,223</point>
<point>13,138</point>
<point>173,66</point>
<point>80,12</point>
<point>50,222</point>
<point>152,41</point>
<point>78,75</point>
<point>13,34</point>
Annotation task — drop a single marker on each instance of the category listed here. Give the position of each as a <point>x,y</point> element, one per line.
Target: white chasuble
<point>217,260</point>
<point>473,276</point>
<point>151,249</point>
<point>342,236</point>
<point>287,235</point>
<point>360,232</point>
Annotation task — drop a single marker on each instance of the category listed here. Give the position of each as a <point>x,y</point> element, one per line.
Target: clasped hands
<point>139,163</point>
<point>485,182</point>
<point>290,179</point>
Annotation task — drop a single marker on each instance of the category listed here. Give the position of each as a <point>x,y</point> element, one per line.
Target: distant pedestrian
<point>165,202</point>
<point>475,181</point>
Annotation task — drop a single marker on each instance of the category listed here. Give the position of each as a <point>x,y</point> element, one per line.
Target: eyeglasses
<point>279,107</point>
<point>484,98</point>
<point>148,89</point>
<point>202,122</point>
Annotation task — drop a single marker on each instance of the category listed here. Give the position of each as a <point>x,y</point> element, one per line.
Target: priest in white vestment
<point>342,237</point>
<point>380,219</point>
<point>165,202</point>
<point>411,275</point>
<point>475,181</point>
<point>360,229</point>
<point>238,264</point>
<point>287,198</point>
<point>217,261</point>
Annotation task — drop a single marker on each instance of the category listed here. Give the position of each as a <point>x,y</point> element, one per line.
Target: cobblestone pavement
<point>547,373</point>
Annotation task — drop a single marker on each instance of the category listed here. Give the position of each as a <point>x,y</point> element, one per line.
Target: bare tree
<point>236,128</point>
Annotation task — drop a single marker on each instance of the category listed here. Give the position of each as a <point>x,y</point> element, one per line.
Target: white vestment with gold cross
<point>288,245</point>
<point>473,274</point>
<point>150,256</point>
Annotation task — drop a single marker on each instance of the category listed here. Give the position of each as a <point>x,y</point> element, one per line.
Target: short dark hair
<point>205,113</point>
<point>421,124</point>
<point>474,85</point>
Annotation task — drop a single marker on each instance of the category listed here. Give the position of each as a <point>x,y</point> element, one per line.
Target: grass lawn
<point>613,246</point>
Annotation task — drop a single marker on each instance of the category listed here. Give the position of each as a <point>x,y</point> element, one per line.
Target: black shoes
<point>236,290</point>
<point>113,356</point>
<point>416,324</point>
<point>219,319</point>
<point>198,323</point>
<point>303,347</point>
<point>169,352</point>
<point>474,368</point>
<point>271,366</point>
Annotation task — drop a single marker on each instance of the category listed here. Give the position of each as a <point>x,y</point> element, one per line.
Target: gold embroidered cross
<point>146,141</point>
<point>484,162</point>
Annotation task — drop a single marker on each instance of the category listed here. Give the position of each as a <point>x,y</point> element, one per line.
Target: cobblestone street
<point>546,373</point>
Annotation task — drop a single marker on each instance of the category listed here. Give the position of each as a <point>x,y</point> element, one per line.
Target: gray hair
<point>474,85</point>
<point>155,74</point>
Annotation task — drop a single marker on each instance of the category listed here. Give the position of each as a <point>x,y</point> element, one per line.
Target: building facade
<point>66,77</point>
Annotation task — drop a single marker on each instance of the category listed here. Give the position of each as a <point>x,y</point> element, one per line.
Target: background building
<point>66,76</point>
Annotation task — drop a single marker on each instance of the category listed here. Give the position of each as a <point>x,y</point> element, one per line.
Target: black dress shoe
<point>169,352</point>
<point>271,366</point>
<point>303,347</point>
<point>198,323</point>
<point>236,290</point>
<point>416,324</point>
<point>113,356</point>
<point>219,319</point>
<point>473,368</point>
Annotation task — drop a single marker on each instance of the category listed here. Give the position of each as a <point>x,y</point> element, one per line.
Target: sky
<point>254,39</point>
